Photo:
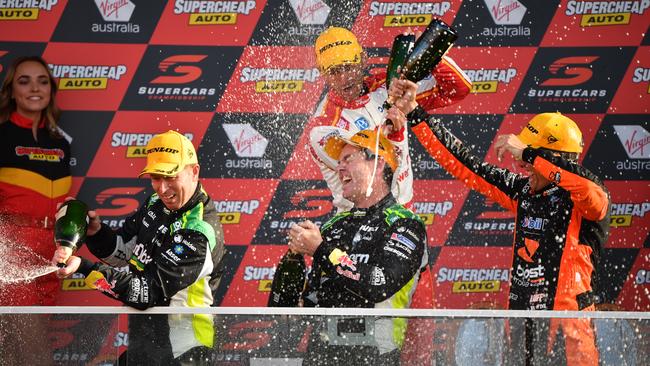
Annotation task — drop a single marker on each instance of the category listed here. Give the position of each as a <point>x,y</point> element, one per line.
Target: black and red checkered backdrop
<point>239,78</point>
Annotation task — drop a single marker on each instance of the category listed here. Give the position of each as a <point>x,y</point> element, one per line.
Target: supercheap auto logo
<point>605,13</point>
<point>642,277</point>
<point>230,211</point>
<point>468,280</point>
<point>428,210</point>
<point>488,80</point>
<point>40,154</point>
<point>264,276</point>
<point>86,77</point>
<point>623,213</point>
<point>135,143</point>
<point>75,283</point>
<point>403,14</point>
<point>213,12</point>
<point>642,75</point>
<point>270,80</point>
<point>24,9</point>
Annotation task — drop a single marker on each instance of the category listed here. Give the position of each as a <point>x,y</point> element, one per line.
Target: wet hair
<point>387,174</point>
<point>8,104</point>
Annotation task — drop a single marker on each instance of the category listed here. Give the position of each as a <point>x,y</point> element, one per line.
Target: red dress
<point>34,177</point>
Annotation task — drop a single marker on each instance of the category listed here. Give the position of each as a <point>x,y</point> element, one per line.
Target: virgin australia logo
<point>635,139</point>
<point>247,142</point>
<point>506,12</point>
<point>310,11</point>
<point>115,10</point>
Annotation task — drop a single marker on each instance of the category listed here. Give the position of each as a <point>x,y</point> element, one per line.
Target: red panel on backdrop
<point>438,203</point>
<point>598,23</point>
<point>379,22</point>
<point>634,295</point>
<point>29,21</point>
<point>121,152</point>
<point>630,220</point>
<point>223,23</point>
<point>275,80</point>
<point>496,77</point>
<point>633,95</point>
<point>463,276</point>
<point>94,77</point>
<point>241,204</point>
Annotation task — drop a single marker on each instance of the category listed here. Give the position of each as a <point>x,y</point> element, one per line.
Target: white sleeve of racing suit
<point>402,186</point>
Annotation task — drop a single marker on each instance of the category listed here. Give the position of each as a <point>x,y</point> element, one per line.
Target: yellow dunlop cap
<point>363,139</point>
<point>168,153</point>
<point>336,46</point>
<point>552,131</point>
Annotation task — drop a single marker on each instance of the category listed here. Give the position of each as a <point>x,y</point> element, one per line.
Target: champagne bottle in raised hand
<point>288,281</point>
<point>428,50</point>
<point>402,45</point>
<point>71,225</point>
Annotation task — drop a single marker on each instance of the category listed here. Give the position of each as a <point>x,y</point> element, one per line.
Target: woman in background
<point>34,177</point>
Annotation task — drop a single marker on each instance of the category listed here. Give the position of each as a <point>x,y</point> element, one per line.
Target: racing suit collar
<point>387,201</point>
<point>359,102</point>
<point>24,122</point>
<point>194,200</point>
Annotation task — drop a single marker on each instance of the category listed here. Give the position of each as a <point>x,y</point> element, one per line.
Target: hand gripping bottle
<point>71,224</point>
<point>428,50</point>
<point>288,281</point>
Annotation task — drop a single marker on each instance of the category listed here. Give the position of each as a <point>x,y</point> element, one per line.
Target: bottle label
<point>61,212</point>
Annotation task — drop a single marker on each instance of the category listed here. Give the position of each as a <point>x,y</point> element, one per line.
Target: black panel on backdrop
<point>294,201</point>
<point>131,21</point>
<point>249,145</point>
<point>87,129</point>
<point>293,23</point>
<point>496,23</point>
<point>619,150</point>
<point>181,78</point>
<point>11,50</point>
<point>476,131</point>
<point>612,271</point>
<point>232,260</point>
<point>572,79</point>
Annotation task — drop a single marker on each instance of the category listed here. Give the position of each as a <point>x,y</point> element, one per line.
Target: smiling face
<point>31,89</point>
<point>346,80</point>
<point>537,181</point>
<point>355,173</point>
<point>176,191</point>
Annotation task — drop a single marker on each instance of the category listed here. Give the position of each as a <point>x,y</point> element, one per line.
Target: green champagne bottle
<point>71,224</point>
<point>402,45</point>
<point>288,281</point>
<point>428,50</point>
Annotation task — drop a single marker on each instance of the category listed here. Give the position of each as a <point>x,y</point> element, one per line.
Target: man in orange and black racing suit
<point>562,220</point>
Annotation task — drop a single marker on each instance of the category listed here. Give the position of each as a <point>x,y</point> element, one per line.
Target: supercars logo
<point>506,12</point>
<point>268,80</point>
<point>622,213</point>
<point>83,77</point>
<point>121,202</point>
<point>230,211</point>
<point>570,71</point>
<point>262,274</point>
<point>640,75</point>
<point>310,11</point>
<point>182,73</point>
<point>467,280</point>
<point>635,139</point>
<point>428,210</point>
<point>24,10</point>
<point>487,80</point>
<point>600,13</point>
<point>313,202</point>
<point>213,12</point>
<point>403,14</point>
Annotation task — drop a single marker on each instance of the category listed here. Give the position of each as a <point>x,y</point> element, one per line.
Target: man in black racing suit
<point>561,225</point>
<point>173,246</point>
<point>369,257</point>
